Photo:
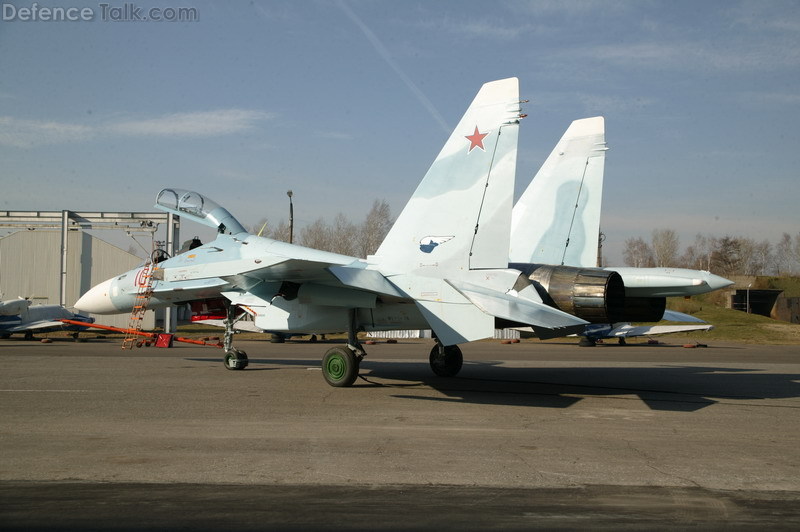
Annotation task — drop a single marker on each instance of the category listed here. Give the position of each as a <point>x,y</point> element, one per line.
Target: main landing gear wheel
<point>446,361</point>
<point>340,366</point>
<point>235,360</point>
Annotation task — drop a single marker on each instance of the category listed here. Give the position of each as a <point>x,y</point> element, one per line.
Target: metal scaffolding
<point>65,221</point>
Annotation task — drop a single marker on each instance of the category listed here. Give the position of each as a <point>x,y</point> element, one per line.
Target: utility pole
<point>291,216</point>
<point>748,297</point>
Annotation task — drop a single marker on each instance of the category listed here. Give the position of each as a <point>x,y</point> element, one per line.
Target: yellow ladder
<point>144,289</point>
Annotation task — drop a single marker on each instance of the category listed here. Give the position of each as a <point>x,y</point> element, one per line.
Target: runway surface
<point>529,435</point>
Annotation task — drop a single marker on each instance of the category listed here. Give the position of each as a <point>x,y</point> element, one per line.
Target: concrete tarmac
<point>530,435</point>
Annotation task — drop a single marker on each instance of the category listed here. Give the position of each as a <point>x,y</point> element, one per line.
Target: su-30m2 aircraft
<point>554,240</point>
<point>443,265</point>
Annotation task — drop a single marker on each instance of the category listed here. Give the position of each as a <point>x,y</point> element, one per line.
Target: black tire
<point>235,360</point>
<point>340,367</point>
<point>448,362</point>
<point>277,338</point>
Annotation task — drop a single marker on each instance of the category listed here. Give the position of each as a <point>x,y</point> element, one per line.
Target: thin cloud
<point>690,55</point>
<point>198,124</point>
<point>481,29</point>
<point>334,135</point>
<point>758,99</point>
<point>29,133</point>
<point>588,8</point>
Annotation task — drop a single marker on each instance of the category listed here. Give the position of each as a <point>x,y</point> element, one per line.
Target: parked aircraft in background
<point>623,331</point>
<point>443,265</point>
<point>21,316</point>
<point>554,240</point>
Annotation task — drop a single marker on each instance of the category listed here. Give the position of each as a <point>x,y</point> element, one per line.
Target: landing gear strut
<point>446,361</point>
<point>340,364</point>
<point>234,358</point>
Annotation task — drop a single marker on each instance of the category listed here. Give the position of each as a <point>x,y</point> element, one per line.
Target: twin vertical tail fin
<point>448,249</point>
<point>557,218</point>
<point>459,217</point>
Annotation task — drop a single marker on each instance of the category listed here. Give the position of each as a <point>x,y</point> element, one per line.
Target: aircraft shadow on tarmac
<point>669,387</point>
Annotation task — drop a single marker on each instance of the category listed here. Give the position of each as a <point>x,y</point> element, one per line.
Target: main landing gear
<point>340,364</point>
<point>234,358</point>
<point>446,360</point>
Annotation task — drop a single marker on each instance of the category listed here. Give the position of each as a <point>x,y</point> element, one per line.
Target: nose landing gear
<point>235,359</point>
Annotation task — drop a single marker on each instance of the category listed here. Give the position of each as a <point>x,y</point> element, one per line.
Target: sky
<point>345,102</point>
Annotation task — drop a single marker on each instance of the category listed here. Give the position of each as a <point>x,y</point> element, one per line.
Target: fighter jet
<point>21,316</point>
<point>554,241</point>
<point>623,331</point>
<point>443,265</point>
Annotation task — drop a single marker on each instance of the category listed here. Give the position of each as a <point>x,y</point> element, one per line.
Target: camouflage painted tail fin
<point>557,218</point>
<point>460,215</point>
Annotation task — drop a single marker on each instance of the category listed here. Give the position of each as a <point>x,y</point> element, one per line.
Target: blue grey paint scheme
<point>19,316</point>
<point>458,287</point>
<point>556,221</point>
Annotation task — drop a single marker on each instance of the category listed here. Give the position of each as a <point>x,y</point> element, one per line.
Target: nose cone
<point>715,282</point>
<point>97,300</point>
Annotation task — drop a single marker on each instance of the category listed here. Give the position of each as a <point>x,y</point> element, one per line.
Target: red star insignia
<point>476,140</point>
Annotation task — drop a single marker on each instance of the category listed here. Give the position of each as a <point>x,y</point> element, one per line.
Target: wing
<point>628,331</point>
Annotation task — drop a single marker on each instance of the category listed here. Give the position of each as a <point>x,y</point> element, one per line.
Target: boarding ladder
<point>144,289</point>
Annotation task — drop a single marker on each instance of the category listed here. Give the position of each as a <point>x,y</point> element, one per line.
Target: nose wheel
<point>235,360</point>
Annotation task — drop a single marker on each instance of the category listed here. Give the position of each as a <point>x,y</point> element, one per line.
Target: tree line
<point>339,236</point>
<point>727,255</point>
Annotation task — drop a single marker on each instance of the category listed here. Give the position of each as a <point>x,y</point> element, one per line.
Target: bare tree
<point>266,229</point>
<point>665,247</point>
<point>344,236</point>
<point>375,227</point>
<point>316,235</point>
<point>638,253</point>
<point>754,257</point>
<point>698,255</point>
<point>787,255</point>
<point>726,257</point>
<point>785,259</point>
<point>280,231</point>
<point>796,267</point>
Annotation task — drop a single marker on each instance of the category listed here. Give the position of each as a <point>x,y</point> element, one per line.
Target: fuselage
<point>206,272</point>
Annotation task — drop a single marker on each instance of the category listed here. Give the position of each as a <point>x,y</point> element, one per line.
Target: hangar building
<point>30,264</point>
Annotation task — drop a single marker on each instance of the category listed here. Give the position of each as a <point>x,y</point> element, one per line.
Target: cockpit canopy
<point>198,208</point>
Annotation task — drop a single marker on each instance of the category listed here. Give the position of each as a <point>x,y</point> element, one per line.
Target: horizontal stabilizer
<point>545,320</point>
